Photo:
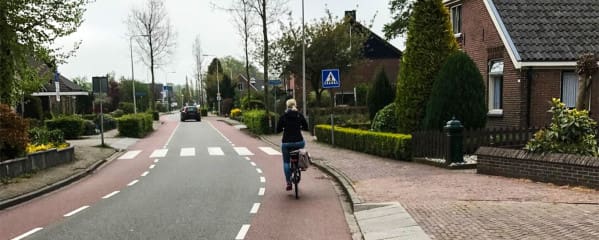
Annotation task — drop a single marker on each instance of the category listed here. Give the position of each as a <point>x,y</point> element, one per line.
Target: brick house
<point>526,51</point>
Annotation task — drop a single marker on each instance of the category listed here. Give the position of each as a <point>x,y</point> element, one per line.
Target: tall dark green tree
<point>401,11</point>
<point>458,91</point>
<point>430,41</point>
<point>380,93</point>
<point>28,29</point>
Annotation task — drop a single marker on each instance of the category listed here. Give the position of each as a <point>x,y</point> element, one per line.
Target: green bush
<point>385,119</point>
<point>430,41</point>
<point>127,107</point>
<point>38,136</point>
<point>13,130</point>
<point>135,125</point>
<point>380,94</point>
<point>325,99</point>
<point>390,145</point>
<point>161,107</point>
<point>257,122</point>
<point>203,112</point>
<point>109,122</point>
<point>71,125</point>
<point>458,91</point>
<point>117,113</point>
<point>89,116</point>
<point>570,131</point>
<point>362,94</point>
<point>33,108</point>
<point>89,128</point>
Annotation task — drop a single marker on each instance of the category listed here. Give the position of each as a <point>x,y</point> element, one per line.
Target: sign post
<point>331,80</point>
<point>100,87</point>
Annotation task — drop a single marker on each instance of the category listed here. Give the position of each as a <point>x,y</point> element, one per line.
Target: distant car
<point>190,112</point>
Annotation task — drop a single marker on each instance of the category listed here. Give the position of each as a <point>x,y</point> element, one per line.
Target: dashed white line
<point>32,231</point>
<point>145,174</point>
<point>152,166</point>
<point>242,232</point>
<point>110,194</point>
<point>261,191</point>
<point>76,211</point>
<point>253,163</point>
<point>247,158</point>
<point>255,208</point>
<point>258,170</point>
<point>156,160</point>
<point>132,183</point>
<point>262,179</point>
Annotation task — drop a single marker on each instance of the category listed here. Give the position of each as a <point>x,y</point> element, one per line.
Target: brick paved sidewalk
<point>460,204</point>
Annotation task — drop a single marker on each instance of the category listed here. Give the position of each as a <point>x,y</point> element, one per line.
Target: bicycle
<point>296,173</point>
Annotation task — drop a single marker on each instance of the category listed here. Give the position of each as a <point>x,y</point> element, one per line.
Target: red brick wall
<point>364,72</point>
<point>545,84</point>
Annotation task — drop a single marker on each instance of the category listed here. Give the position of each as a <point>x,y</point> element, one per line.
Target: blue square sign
<point>330,78</point>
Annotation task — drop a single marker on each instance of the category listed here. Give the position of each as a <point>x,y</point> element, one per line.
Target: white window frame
<point>496,73</point>
<point>570,101</point>
<point>457,26</point>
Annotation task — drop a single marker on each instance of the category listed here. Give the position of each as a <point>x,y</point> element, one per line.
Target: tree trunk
<point>265,33</point>
<point>584,84</point>
<point>152,100</point>
<point>247,58</point>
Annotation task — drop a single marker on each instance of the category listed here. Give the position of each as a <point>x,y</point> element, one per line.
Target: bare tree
<point>245,25</point>
<point>197,53</point>
<point>268,10</point>
<point>152,21</point>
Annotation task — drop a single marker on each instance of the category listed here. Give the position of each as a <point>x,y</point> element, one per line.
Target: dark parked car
<point>190,112</point>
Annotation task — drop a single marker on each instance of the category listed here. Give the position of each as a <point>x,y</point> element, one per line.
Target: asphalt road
<point>188,180</point>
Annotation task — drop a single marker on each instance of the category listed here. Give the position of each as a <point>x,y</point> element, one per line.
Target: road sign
<point>100,84</point>
<point>274,82</point>
<point>57,85</point>
<point>330,78</point>
<point>167,88</point>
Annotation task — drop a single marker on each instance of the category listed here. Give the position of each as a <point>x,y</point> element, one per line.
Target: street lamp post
<point>303,64</point>
<point>132,72</point>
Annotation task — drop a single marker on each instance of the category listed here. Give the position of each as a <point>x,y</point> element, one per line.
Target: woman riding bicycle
<point>291,123</point>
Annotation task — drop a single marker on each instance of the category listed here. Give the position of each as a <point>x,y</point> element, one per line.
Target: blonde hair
<point>291,104</point>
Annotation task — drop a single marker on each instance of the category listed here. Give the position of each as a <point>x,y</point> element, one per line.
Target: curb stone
<point>54,186</point>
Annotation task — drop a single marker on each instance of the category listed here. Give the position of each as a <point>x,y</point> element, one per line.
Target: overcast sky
<point>105,45</point>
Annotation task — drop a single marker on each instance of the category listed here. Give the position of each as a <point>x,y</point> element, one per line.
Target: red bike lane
<point>113,176</point>
<point>317,214</point>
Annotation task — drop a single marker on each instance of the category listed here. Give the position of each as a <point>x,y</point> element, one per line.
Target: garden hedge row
<point>390,145</point>
<point>71,125</point>
<point>257,122</point>
<point>135,125</point>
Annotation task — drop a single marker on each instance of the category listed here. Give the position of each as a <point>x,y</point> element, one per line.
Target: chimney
<point>350,16</point>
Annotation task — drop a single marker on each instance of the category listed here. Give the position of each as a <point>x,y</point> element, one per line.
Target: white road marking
<point>76,211</point>
<point>159,153</point>
<point>152,166</point>
<point>172,134</point>
<point>247,158</point>
<point>262,179</point>
<point>233,145</point>
<point>132,183</point>
<point>243,151</point>
<point>32,231</point>
<point>130,154</point>
<point>255,208</point>
<point>145,174</point>
<point>110,194</point>
<point>242,232</point>
<point>215,151</point>
<point>258,170</point>
<point>187,152</point>
<point>269,151</point>
<point>261,191</point>
<point>156,160</point>
<point>253,163</point>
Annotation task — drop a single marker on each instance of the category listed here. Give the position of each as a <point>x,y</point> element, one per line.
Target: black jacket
<point>291,123</point>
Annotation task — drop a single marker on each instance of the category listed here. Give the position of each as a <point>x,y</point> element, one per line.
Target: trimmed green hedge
<point>390,145</point>
<point>39,136</point>
<point>135,125</point>
<point>71,125</point>
<point>257,122</point>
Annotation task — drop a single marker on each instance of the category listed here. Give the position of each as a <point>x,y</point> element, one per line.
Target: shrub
<point>127,107</point>
<point>32,148</point>
<point>458,91</point>
<point>117,113</point>
<point>203,112</point>
<point>89,128</point>
<point>33,108</point>
<point>257,122</point>
<point>570,131</point>
<point>71,125</point>
<point>390,145</point>
<point>385,119</point>
<point>135,125</point>
<point>39,136</point>
<point>235,113</point>
<point>325,99</point>
<point>13,132</point>
<point>362,94</point>
<point>161,107</point>
<point>380,94</point>
<point>430,41</point>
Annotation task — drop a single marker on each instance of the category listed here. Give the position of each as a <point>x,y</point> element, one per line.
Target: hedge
<point>71,125</point>
<point>135,125</point>
<point>390,145</point>
<point>257,123</point>
<point>39,136</point>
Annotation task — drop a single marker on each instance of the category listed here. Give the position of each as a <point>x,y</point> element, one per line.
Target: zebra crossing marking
<point>215,151</point>
<point>159,153</point>
<point>243,151</point>
<point>130,154</point>
<point>269,151</point>
<point>187,152</point>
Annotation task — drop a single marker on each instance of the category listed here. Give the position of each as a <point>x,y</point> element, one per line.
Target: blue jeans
<point>285,147</point>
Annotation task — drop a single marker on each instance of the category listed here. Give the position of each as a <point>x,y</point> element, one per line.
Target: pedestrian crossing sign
<point>330,78</point>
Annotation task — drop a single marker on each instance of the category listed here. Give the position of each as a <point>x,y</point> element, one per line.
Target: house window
<point>240,86</point>
<point>456,20</point>
<point>569,88</point>
<point>496,88</point>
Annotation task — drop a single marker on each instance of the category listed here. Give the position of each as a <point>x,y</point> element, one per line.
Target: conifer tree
<point>380,93</point>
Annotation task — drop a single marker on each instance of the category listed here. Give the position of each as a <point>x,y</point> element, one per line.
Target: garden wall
<point>561,169</point>
<point>36,161</point>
